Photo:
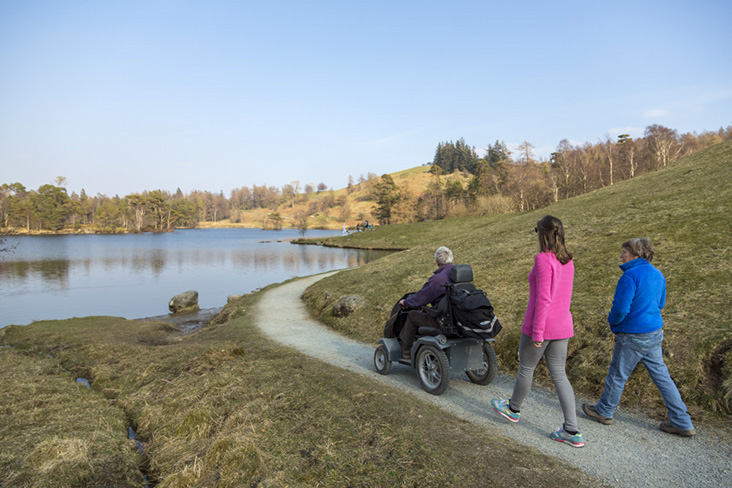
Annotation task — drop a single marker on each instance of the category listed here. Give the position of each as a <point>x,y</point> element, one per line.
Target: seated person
<point>431,293</point>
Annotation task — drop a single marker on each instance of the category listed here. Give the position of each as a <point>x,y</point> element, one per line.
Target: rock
<point>347,304</point>
<point>185,301</point>
<point>232,298</point>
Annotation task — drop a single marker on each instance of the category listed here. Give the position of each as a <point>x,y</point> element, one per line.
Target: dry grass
<point>684,208</point>
<point>56,432</point>
<point>225,407</point>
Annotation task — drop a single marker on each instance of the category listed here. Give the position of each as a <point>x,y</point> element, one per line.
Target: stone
<point>185,301</point>
<point>232,298</point>
<point>347,304</point>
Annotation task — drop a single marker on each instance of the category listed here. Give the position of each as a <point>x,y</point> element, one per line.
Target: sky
<point>120,97</point>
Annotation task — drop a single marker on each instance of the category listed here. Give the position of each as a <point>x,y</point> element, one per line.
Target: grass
<point>226,407</point>
<point>686,209</point>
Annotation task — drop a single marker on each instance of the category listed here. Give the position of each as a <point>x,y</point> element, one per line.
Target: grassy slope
<point>360,203</point>
<point>686,209</point>
<point>225,407</point>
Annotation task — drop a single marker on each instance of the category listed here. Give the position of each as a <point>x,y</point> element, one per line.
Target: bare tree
<point>626,144</point>
<point>664,143</point>
<point>525,150</point>
<point>610,150</point>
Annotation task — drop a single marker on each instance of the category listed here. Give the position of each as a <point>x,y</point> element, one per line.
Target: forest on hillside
<point>462,183</point>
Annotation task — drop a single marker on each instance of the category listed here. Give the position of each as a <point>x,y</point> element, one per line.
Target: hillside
<point>684,208</point>
<point>349,208</point>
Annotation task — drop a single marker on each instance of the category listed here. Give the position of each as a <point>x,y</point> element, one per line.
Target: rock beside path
<point>347,304</point>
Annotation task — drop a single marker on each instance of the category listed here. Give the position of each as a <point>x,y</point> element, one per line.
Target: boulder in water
<point>184,302</point>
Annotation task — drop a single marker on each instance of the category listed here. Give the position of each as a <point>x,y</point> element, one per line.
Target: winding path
<point>631,453</point>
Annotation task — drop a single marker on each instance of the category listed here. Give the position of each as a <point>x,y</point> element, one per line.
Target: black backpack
<point>467,308</point>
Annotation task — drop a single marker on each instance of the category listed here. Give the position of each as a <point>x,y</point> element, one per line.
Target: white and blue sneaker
<point>562,435</point>
<point>501,406</point>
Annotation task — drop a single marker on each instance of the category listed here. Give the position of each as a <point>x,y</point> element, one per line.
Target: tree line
<point>50,208</point>
<point>462,183</point>
<point>504,181</point>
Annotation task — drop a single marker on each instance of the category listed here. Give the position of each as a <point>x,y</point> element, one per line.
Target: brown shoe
<point>591,412</point>
<point>406,354</point>
<point>667,427</point>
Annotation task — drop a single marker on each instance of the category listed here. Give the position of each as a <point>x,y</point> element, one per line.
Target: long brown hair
<point>550,232</point>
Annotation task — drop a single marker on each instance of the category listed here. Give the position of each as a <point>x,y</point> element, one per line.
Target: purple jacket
<point>432,291</point>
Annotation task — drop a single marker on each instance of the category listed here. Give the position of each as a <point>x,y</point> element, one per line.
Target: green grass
<point>226,407</point>
<point>686,209</point>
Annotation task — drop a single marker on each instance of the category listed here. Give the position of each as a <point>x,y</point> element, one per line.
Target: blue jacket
<point>639,298</point>
<point>432,291</point>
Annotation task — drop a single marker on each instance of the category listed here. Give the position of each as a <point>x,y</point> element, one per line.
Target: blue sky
<point>125,96</point>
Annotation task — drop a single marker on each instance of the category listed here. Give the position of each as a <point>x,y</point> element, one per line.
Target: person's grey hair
<point>443,256</point>
<point>640,247</point>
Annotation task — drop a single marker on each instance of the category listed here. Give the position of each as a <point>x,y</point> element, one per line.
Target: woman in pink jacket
<point>547,329</point>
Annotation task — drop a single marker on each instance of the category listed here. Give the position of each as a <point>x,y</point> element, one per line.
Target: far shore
<point>87,230</point>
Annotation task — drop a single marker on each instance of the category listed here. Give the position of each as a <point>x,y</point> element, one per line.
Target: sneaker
<point>563,436</point>
<point>667,427</point>
<point>591,412</point>
<point>501,406</point>
<point>406,354</point>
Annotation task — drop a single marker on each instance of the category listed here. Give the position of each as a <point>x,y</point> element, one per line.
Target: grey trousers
<point>555,353</point>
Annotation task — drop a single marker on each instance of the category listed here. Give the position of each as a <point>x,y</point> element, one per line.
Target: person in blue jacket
<point>635,319</point>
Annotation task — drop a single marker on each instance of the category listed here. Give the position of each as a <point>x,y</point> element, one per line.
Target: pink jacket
<point>550,294</point>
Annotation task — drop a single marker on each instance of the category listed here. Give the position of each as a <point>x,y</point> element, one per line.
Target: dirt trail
<point>631,453</point>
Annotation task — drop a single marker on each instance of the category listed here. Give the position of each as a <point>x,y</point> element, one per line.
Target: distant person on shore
<point>635,319</point>
<point>358,227</point>
<point>430,294</point>
<point>546,330</point>
<point>367,226</point>
<point>345,230</point>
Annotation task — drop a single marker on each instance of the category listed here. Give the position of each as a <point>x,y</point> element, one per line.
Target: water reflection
<point>133,276</point>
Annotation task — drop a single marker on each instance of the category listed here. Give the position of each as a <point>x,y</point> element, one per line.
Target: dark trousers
<point>421,317</point>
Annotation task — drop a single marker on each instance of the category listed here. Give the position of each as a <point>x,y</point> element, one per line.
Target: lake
<point>135,275</point>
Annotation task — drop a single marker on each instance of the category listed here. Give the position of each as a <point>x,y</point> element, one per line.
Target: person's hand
<point>401,303</point>
<point>537,344</point>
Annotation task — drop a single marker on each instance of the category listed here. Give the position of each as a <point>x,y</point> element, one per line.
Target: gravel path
<point>631,453</point>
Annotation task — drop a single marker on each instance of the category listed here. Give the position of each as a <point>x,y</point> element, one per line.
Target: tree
<point>288,191</point>
<point>387,195</point>
<point>137,204</point>
<point>301,220</point>
<point>107,215</point>
<point>157,207</point>
<point>610,149</point>
<point>497,152</point>
<point>322,187</point>
<point>51,205</point>
<point>626,146</point>
<point>664,143</point>
<point>183,213</point>
<point>273,221</point>
<point>526,152</point>
<point>458,156</point>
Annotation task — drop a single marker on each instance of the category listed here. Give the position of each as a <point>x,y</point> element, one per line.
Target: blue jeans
<point>630,349</point>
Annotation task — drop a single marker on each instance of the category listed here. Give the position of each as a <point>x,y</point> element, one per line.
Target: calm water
<point>135,275</point>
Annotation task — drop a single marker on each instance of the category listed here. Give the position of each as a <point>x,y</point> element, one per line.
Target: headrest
<point>461,273</point>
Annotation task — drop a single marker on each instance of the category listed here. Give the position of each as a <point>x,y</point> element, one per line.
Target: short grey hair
<point>640,247</point>
<point>443,256</point>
